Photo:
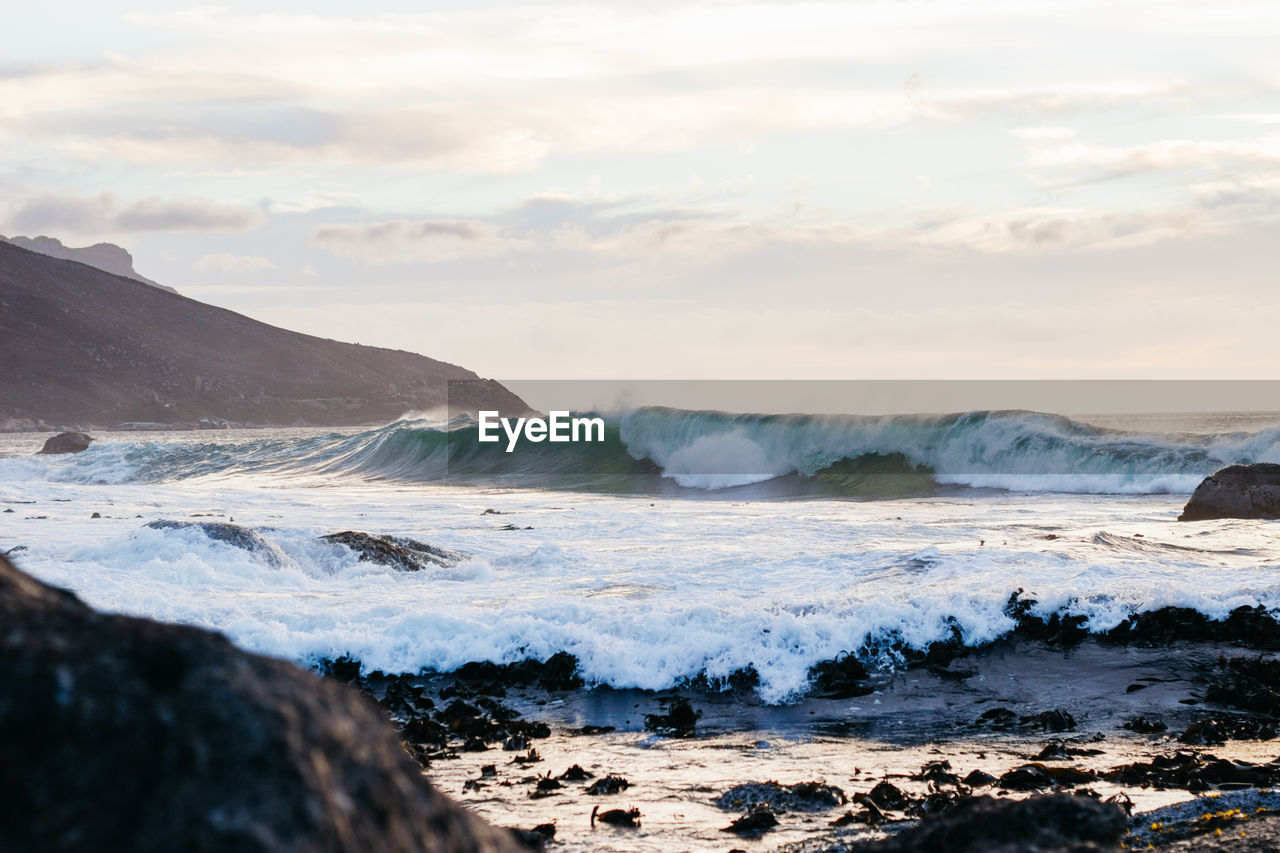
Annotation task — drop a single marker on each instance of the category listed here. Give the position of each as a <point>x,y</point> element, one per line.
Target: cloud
<point>427,241</point>
<point>105,214</point>
<point>227,262</point>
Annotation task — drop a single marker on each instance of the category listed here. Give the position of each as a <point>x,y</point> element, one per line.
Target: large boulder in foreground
<point>67,442</point>
<point>1239,491</point>
<point>125,734</point>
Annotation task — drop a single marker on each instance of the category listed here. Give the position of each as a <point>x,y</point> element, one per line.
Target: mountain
<point>83,348</point>
<point>105,256</point>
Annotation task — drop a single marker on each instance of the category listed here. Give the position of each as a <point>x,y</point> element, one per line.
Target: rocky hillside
<point>107,257</point>
<point>86,349</point>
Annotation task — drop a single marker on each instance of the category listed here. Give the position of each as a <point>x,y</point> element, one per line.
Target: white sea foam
<point>644,592</point>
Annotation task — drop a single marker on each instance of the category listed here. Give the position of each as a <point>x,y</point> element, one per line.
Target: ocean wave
<point>307,599</point>
<point>659,450</point>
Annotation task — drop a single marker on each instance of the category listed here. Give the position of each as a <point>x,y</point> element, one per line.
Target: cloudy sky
<point>655,190</point>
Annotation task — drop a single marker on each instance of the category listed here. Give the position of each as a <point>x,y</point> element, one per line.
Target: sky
<point>657,190</point>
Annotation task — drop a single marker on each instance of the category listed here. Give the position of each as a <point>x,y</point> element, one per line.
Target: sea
<point>688,543</point>
<point>687,547</point>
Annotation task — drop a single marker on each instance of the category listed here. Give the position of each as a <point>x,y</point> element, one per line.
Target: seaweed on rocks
<point>1036,777</point>
<point>1145,724</point>
<point>985,824</point>
<point>608,785</point>
<point>1195,772</point>
<point>1247,683</point>
<point>842,678</point>
<point>679,721</point>
<point>625,818</point>
<point>756,821</point>
<point>1220,728</point>
<point>801,796</point>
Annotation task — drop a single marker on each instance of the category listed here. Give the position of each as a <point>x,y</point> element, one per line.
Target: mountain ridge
<point>89,349</point>
<point>107,257</point>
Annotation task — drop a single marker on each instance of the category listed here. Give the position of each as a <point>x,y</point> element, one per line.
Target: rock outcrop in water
<point>398,552</point>
<point>125,734</point>
<point>229,534</point>
<point>66,442</point>
<point>88,349</point>
<point>1238,491</point>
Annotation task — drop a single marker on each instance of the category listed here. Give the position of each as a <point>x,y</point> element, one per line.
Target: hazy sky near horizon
<point>677,190</point>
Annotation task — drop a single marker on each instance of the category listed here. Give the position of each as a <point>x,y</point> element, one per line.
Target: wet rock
<point>1145,724</point>
<point>229,534</point>
<point>575,774</point>
<point>937,772</point>
<point>626,818</point>
<point>608,785</point>
<point>842,678</point>
<point>343,670</point>
<point>886,796</point>
<point>66,442</point>
<point>679,721</point>
<point>546,787</point>
<point>537,838</point>
<point>1059,750</point>
<point>1056,720</point>
<point>1194,772</point>
<point>979,779</point>
<point>1028,777</point>
<point>1058,822</point>
<point>398,552</point>
<point>757,820</point>
<point>801,796</point>
<point>1237,491</point>
<point>1250,684</point>
<point>126,734</point>
<point>1217,730</point>
<point>558,672</point>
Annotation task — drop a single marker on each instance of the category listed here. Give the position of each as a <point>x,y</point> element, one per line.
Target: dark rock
<point>1028,777</point>
<point>230,534</point>
<point>608,785</point>
<point>1144,724</point>
<point>757,820</point>
<point>842,678</point>
<point>679,721</point>
<point>801,796</point>
<point>1058,822</point>
<point>1237,491</point>
<point>1250,684</point>
<point>1217,730</point>
<point>344,670</point>
<point>1194,772</point>
<point>937,772</point>
<point>558,672</point>
<point>887,796</point>
<point>1056,720</point>
<point>398,552</point>
<point>979,779</point>
<point>125,734</point>
<point>536,838</point>
<point>575,774</point>
<point>66,442</point>
<point>628,818</point>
